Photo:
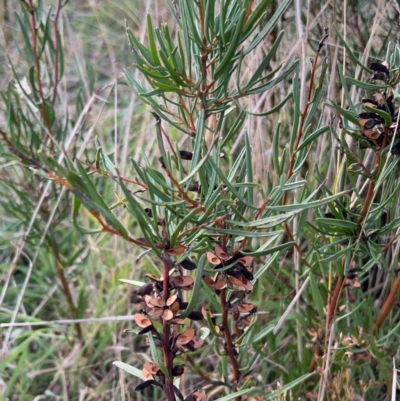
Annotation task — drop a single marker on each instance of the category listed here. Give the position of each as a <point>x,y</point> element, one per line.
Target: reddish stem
<point>388,305</point>
<point>168,357</point>
<point>298,139</point>
<point>67,291</point>
<point>228,340</point>
<point>56,78</point>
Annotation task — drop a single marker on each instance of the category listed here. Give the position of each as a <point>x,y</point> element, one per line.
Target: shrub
<point>249,285</point>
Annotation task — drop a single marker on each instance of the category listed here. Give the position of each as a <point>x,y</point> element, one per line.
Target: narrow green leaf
<point>266,250</point>
<point>238,161</point>
<point>190,16</point>
<point>249,168</point>
<point>196,287</point>
<point>152,42</point>
<point>267,222</point>
<point>228,55</point>
<point>174,75</point>
<point>346,114</point>
<point>287,387</point>
<point>267,28</point>
<point>349,52</point>
<point>27,40</point>
<point>229,185</point>
<point>343,82</point>
<point>149,231</point>
<point>260,335</point>
<point>256,15</point>
<point>264,64</point>
<point>235,128</point>
<point>179,228</point>
<point>337,224</point>
<point>108,164</point>
<point>309,139</point>
<point>235,395</point>
<point>270,84</point>
<point>386,116</point>
<point>136,45</point>
<point>129,369</point>
<point>76,205</point>
<point>209,28</point>
<point>240,233</point>
<point>365,85</point>
<point>267,112</point>
<point>85,190</point>
<point>337,255</point>
<point>165,87</point>
<point>155,356</point>
<point>307,205</point>
<point>316,296</point>
<point>133,282</point>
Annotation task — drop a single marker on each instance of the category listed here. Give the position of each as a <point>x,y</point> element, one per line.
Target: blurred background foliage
<point>52,272</point>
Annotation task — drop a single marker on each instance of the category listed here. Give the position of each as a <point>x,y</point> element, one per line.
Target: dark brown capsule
<point>148,212</point>
<point>396,150</point>
<point>194,188</point>
<point>379,67</point>
<point>195,315</point>
<point>145,289</point>
<point>179,370</point>
<point>145,384</point>
<point>380,76</point>
<point>185,155</point>
<point>371,123</point>
<point>161,160</point>
<point>374,102</point>
<point>370,115</point>
<point>146,329</point>
<point>188,264</point>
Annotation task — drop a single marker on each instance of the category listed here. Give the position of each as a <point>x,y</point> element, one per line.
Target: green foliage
<point>257,208</point>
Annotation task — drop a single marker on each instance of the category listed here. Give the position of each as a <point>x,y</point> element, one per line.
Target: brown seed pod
<point>177,250</point>
<point>221,253</point>
<point>220,284</point>
<point>245,260</point>
<point>141,320</point>
<point>209,281</point>
<point>245,308</point>
<point>372,134</point>
<point>155,312</point>
<point>235,282</point>
<point>213,259</point>
<point>167,314</point>
<point>185,337</point>
<point>151,368</point>
<point>177,320</point>
<point>153,301</point>
<point>184,282</point>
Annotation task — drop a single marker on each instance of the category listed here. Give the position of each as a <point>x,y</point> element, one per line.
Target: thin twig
<point>228,339</point>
